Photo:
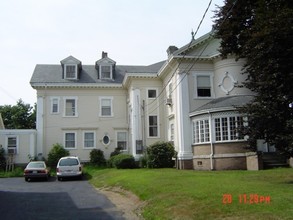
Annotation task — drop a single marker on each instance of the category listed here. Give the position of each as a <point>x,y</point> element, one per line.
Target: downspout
<point>45,120</point>
<point>211,141</point>
<point>143,125</point>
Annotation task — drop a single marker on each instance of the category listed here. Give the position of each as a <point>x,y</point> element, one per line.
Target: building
<point>104,106</point>
<point>19,143</point>
<point>190,99</point>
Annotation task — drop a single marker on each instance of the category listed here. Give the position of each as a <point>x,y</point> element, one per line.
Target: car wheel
<point>59,178</point>
<point>26,179</point>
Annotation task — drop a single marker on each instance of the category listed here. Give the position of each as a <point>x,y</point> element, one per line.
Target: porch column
<point>185,155</point>
<point>136,120</point>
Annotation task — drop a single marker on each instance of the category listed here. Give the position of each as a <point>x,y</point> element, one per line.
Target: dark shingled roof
<point>45,73</point>
<point>225,102</point>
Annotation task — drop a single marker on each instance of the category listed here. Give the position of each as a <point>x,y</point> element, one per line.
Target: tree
<point>19,116</point>
<point>261,31</point>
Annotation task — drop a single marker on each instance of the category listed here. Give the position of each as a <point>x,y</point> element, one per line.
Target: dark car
<point>36,169</point>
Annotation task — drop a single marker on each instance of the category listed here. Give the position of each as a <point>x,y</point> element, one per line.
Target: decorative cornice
<point>76,85</point>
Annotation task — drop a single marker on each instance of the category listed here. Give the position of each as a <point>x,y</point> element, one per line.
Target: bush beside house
<point>97,157</point>
<point>160,154</point>
<point>55,154</point>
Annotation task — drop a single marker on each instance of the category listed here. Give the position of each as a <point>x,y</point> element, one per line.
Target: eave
<point>211,110</point>
<point>76,85</point>
<point>129,76</point>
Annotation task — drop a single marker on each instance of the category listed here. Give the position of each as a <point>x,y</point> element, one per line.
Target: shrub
<point>55,154</point>
<point>143,161</point>
<point>116,152</point>
<point>97,157</point>
<point>159,155</point>
<point>2,159</point>
<point>122,161</point>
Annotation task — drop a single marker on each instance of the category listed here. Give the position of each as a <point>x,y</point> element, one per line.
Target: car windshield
<point>36,165</point>
<point>68,162</point>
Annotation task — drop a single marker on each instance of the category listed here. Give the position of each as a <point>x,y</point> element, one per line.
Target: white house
<point>190,99</point>
<point>103,106</point>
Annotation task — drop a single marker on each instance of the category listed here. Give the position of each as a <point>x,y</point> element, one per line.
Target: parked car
<point>69,166</point>
<point>36,169</point>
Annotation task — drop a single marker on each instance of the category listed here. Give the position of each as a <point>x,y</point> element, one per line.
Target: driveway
<point>53,200</point>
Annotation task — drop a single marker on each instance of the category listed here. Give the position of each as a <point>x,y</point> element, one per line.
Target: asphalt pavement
<point>54,200</point>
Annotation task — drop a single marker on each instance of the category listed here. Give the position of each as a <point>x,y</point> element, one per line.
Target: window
<point>89,139</point>
<point>106,140</point>
<point>70,140</point>
<point>70,71</point>
<point>70,107</point>
<point>12,145</point>
<point>122,140</point>
<point>152,93</point>
<point>153,126</point>
<point>201,131</point>
<point>106,72</point>
<point>106,107</point>
<point>54,105</point>
<point>227,128</point>
<point>203,86</point>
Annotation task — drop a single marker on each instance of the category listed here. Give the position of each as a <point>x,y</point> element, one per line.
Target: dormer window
<point>105,67</point>
<point>71,68</point>
<point>70,71</point>
<point>106,72</point>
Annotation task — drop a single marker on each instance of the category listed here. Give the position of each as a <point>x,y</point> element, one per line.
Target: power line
<point>193,35</point>
<point>198,57</point>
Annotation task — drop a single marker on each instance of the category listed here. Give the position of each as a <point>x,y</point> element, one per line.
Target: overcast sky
<point>133,32</point>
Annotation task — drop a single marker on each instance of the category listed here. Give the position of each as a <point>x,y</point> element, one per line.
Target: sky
<point>132,32</point>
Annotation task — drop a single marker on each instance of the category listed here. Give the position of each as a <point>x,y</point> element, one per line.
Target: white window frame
<point>65,71</point>
<point>52,105</point>
<point>75,139</point>
<point>75,109</point>
<point>101,73</point>
<point>203,73</point>
<point>126,139</point>
<point>201,131</point>
<point>231,136</point>
<point>17,143</point>
<point>94,139</point>
<point>149,89</point>
<point>111,106</point>
<point>158,129</point>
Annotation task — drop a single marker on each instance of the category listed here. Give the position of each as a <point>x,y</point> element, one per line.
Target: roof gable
<point>205,47</point>
<point>70,60</point>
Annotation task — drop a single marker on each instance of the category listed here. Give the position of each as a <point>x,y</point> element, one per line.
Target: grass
<point>17,172</point>
<point>182,194</point>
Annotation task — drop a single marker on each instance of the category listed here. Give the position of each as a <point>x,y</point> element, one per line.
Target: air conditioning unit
<point>11,151</point>
<point>168,101</point>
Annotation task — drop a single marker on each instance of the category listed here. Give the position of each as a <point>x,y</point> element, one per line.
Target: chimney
<point>104,55</point>
<point>171,50</point>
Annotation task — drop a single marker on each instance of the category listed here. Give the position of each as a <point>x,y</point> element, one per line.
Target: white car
<point>69,167</point>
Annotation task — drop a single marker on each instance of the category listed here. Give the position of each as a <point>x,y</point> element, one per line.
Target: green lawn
<point>182,194</point>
